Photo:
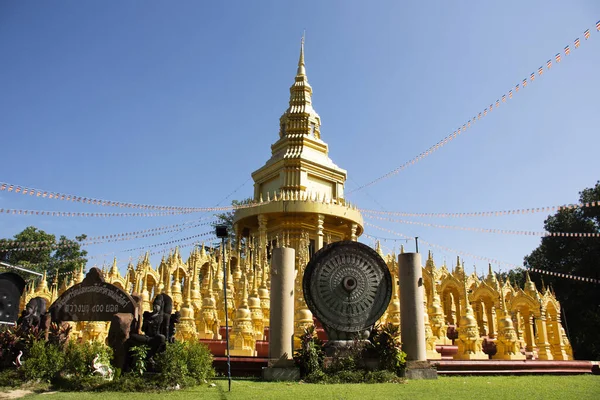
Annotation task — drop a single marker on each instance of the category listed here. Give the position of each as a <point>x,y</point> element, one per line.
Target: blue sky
<point>177,103</point>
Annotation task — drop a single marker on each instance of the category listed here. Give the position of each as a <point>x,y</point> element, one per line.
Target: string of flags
<point>163,250</point>
<point>158,244</point>
<point>128,260</point>
<point>476,117</point>
<point>100,202</point>
<point>487,259</point>
<point>157,229</point>
<point>567,276</point>
<point>386,239</point>
<point>34,246</point>
<point>548,209</point>
<point>9,244</point>
<point>492,230</point>
<point>88,214</point>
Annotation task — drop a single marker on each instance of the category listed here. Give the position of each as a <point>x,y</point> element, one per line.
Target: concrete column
<point>412,323</point>
<point>320,222</point>
<point>281,321</point>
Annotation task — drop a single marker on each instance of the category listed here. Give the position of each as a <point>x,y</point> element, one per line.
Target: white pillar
<point>412,321</point>
<point>281,333</point>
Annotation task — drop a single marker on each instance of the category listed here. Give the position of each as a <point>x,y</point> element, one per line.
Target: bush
<point>43,363</point>
<point>138,359</point>
<point>126,383</point>
<point>388,348</point>
<point>382,377</point>
<point>79,357</point>
<point>310,356</point>
<point>171,364</point>
<point>8,344</point>
<point>199,362</point>
<point>348,359</point>
<point>184,364</point>
<point>351,364</point>
<point>9,378</point>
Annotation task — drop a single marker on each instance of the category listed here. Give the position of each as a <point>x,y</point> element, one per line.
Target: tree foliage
<point>65,255</point>
<point>580,256</point>
<point>227,218</point>
<point>516,277</point>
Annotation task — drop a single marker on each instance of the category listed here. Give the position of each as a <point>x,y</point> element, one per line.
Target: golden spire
<point>378,248</point>
<point>210,281</point>
<point>301,69</point>
<point>300,118</point>
<point>42,285</point>
<point>114,271</point>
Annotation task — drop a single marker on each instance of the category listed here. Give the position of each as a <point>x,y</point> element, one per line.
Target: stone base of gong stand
<point>281,370</point>
<point>420,370</point>
<point>341,348</point>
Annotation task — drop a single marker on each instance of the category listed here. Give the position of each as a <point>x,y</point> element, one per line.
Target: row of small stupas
<point>518,321</point>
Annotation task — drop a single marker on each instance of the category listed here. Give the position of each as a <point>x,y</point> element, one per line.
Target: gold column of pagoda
<point>299,192</point>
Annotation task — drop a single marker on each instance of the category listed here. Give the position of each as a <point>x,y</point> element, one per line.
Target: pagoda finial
<point>114,271</point>
<point>301,70</point>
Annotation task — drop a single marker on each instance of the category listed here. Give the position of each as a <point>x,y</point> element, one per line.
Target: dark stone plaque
<point>11,289</point>
<point>92,300</point>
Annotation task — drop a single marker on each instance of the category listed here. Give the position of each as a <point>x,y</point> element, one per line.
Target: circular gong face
<point>347,286</point>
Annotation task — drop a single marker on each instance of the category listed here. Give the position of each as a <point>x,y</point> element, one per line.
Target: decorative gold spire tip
<point>301,69</point>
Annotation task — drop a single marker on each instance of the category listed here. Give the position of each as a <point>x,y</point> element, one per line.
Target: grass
<point>579,387</point>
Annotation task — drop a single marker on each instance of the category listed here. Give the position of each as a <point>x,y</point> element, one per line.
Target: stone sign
<point>92,300</point>
<point>11,288</point>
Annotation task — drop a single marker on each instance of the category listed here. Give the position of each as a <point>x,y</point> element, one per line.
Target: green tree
<point>45,256</point>
<point>227,218</point>
<point>516,276</point>
<point>578,256</point>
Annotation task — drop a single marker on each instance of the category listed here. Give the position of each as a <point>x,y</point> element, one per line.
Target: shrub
<point>79,357</point>
<point>59,334</point>
<point>171,364</point>
<point>183,364</point>
<point>138,359</point>
<point>310,356</point>
<point>9,378</point>
<point>382,377</point>
<point>13,340</point>
<point>350,358</point>
<point>43,363</point>
<point>126,383</point>
<point>386,344</point>
<point>78,384</point>
<point>8,347</point>
<point>199,362</point>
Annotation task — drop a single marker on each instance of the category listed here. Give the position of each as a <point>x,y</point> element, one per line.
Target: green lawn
<point>581,387</point>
